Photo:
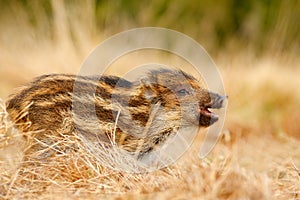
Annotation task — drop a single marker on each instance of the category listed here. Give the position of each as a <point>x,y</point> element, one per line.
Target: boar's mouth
<point>207,117</point>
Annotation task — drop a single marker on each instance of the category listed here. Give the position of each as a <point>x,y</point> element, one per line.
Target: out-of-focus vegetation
<point>266,26</point>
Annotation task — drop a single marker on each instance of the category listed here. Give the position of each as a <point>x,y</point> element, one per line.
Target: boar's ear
<point>146,82</point>
<point>148,88</point>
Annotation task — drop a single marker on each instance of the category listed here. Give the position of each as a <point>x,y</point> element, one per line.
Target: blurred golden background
<point>255,44</point>
<point>46,36</point>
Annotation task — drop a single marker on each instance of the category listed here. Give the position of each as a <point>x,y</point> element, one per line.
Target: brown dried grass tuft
<point>224,174</point>
<point>77,167</point>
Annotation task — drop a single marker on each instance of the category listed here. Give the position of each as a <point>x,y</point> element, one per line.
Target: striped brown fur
<point>150,110</point>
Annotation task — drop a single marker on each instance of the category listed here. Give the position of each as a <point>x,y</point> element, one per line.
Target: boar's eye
<point>183,92</point>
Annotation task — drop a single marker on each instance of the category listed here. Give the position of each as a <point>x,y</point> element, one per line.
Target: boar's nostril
<point>218,102</point>
<point>221,100</point>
